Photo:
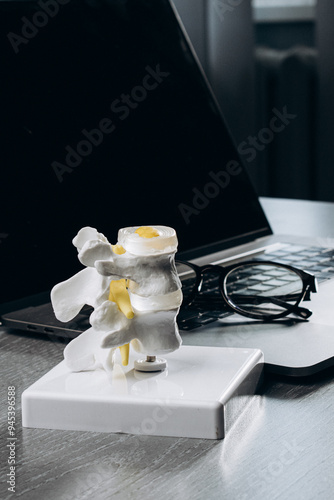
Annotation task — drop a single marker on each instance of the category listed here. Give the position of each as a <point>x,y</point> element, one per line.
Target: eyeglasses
<point>256,289</point>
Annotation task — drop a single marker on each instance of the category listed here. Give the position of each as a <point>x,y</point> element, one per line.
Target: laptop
<point>109,121</point>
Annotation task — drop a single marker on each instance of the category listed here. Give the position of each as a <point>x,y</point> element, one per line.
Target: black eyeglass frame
<point>309,285</point>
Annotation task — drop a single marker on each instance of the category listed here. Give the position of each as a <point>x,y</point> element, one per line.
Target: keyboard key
<point>279,281</point>
<point>187,314</point>
<point>329,252</point>
<point>278,254</point>
<point>190,325</point>
<point>260,288</point>
<point>296,248</point>
<point>308,254</point>
<point>276,272</point>
<point>256,278</point>
<point>293,258</point>
<point>302,264</point>
<point>323,277</point>
<point>205,319</point>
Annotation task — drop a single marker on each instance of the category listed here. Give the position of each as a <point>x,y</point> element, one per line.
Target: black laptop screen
<point>107,121</point>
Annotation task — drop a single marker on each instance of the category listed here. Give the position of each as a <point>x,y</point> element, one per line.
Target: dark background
<point>64,80</point>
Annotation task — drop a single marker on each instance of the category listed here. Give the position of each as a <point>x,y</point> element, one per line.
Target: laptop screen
<point>107,121</point>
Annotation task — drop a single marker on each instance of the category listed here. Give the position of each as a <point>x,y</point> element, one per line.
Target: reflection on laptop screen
<point>107,121</point>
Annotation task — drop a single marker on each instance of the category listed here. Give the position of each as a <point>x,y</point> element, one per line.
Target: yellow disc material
<point>147,232</point>
<point>125,349</point>
<point>120,295</point>
<point>118,249</point>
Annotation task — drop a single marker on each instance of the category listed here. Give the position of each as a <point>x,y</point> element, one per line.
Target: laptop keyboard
<point>315,260</point>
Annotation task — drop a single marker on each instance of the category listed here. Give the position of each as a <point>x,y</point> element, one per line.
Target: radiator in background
<point>286,82</point>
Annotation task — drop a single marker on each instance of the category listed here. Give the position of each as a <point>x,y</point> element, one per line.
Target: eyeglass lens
<point>263,289</point>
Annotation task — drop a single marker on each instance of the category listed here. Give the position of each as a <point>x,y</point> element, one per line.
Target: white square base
<point>199,395</point>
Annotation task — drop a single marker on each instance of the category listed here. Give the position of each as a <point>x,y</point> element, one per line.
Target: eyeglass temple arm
<point>303,312</point>
<point>213,302</point>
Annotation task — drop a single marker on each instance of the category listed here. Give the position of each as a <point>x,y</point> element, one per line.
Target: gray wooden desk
<point>283,450</point>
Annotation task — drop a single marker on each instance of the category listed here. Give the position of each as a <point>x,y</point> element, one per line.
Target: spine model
<point>134,290</point>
